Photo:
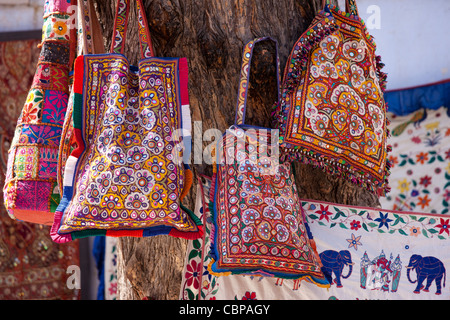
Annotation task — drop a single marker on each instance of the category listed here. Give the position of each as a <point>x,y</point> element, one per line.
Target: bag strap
<point>120,29</point>
<point>350,6</point>
<point>245,78</point>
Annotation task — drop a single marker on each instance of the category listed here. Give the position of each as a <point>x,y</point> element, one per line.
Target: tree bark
<point>212,34</point>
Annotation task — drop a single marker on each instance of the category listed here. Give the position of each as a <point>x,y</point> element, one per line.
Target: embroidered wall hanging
<point>420,157</point>
<point>332,113</point>
<point>126,178</point>
<point>30,191</point>
<point>259,226</point>
<point>366,254</point>
<point>89,41</point>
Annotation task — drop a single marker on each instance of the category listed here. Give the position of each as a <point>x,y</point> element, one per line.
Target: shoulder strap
<point>350,6</point>
<point>245,78</point>
<point>120,29</point>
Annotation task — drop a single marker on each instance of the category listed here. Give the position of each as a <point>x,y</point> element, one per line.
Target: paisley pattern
<point>332,113</point>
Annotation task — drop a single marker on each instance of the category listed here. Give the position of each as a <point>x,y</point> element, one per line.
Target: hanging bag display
<point>30,192</point>
<point>259,227</point>
<point>332,113</point>
<point>126,177</point>
<point>89,41</point>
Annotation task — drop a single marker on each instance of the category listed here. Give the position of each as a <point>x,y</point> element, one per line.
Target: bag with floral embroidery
<point>332,113</point>
<point>31,192</point>
<point>259,227</point>
<point>127,176</point>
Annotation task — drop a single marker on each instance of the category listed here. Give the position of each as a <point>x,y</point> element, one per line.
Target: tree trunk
<point>211,34</point>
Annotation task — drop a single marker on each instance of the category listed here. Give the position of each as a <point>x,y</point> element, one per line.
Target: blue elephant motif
<point>429,269</point>
<point>334,262</point>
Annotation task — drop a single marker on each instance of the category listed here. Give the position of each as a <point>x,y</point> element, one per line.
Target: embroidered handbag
<point>126,177</point>
<point>258,223</point>
<point>30,191</point>
<point>332,113</point>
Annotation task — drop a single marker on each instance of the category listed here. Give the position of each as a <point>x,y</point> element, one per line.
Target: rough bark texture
<point>211,34</point>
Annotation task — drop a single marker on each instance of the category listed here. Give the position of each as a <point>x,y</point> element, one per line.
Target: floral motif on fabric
<point>48,162</point>
<point>40,134</point>
<point>197,282</point>
<point>420,157</point>
<point>26,162</point>
<point>56,27</point>
<point>258,222</point>
<point>129,174</point>
<point>32,110</point>
<point>55,105</point>
<point>366,252</point>
<point>334,113</point>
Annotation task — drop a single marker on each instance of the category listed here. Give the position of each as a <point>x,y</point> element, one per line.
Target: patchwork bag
<point>31,192</point>
<point>126,177</point>
<point>259,227</point>
<point>332,113</point>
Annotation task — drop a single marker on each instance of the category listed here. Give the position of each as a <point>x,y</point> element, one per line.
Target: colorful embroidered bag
<point>332,112</point>
<point>126,177</point>
<point>30,192</point>
<point>258,223</point>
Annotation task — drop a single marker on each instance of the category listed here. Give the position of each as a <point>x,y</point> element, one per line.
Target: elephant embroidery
<point>334,262</point>
<point>429,269</point>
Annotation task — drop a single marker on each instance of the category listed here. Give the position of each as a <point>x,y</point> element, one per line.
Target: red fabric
<point>187,235</point>
<point>184,74</point>
<point>80,143</point>
<point>78,69</point>
<point>124,233</point>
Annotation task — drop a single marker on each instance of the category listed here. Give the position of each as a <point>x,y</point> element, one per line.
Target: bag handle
<point>350,6</point>
<point>120,29</point>
<point>245,78</point>
<point>91,40</point>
